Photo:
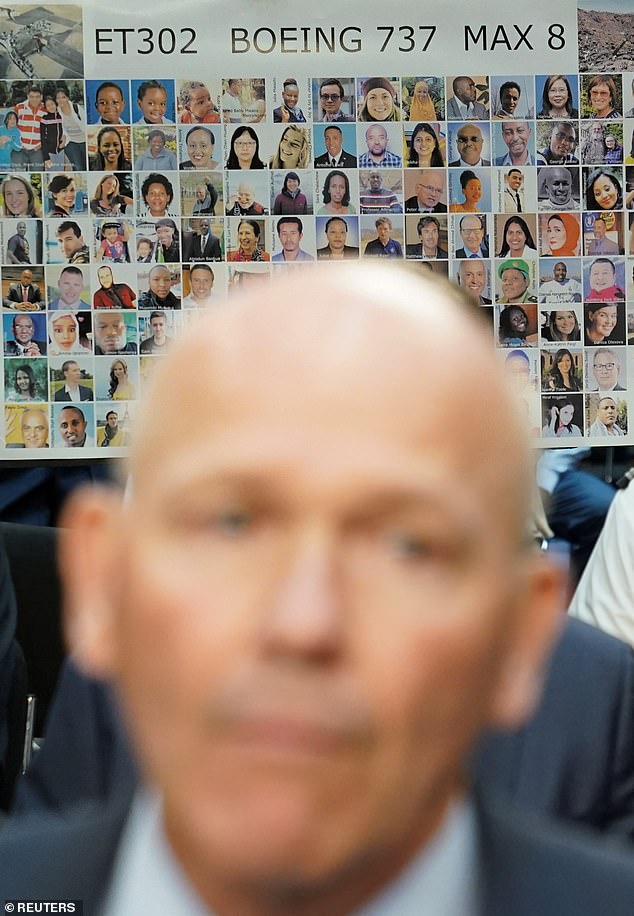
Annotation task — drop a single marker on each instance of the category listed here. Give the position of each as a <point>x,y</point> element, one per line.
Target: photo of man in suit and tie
<point>24,295</point>
<point>199,242</point>
<point>335,156</point>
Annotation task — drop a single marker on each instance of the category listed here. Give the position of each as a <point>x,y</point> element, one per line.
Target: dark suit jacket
<point>348,252</point>
<point>461,253</point>
<point>575,758</point>
<point>525,868</point>
<point>411,206</point>
<point>193,250</point>
<point>14,293</point>
<point>85,394</point>
<point>347,161</point>
<point>11,347</point>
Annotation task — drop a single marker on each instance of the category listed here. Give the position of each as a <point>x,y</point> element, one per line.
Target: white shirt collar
<point>442,880</point>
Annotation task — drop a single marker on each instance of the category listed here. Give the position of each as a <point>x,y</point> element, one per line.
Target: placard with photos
<point>137,192</point>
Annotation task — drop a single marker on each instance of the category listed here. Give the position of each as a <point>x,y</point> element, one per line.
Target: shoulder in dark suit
<point>525,867</point>
<point>347,161</point>
<point>411,206</point>
<point>575,758</point>
<point>14,293</point>
<point>85,394</point>
<point>348,252</point>
<point>211,251</point>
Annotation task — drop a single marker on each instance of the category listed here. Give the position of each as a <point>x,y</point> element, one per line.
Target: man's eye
<point>406,546</point>
<point>233,521</point>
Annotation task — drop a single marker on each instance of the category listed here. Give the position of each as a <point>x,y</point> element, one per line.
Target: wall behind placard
<point>145,168</point>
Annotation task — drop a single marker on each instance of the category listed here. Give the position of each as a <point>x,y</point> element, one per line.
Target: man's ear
<point>90,546</point>
<point>538,619</point>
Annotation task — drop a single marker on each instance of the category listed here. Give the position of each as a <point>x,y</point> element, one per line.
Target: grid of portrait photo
<point>130,205</point>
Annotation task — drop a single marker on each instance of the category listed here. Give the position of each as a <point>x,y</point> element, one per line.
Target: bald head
<point>324,544</point>
<point>364,359</point>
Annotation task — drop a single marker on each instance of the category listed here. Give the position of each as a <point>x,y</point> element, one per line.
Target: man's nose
<point>304,615</point>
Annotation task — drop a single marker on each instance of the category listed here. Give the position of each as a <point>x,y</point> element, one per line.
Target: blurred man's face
<point>562,140</point>
<point>201,282</point>
<point>72,373</point>
<point>516,135</point>
<point>429,235</point>
<point>430,189</point>
<point>606,411</point>
<point>330,98</point>
<point>376,139</point>
<point>23,330</point>
<point>21,229</point>
<point>70,287</point>
<point>34,429</point>
<point>72,427</point>
<point>472,233</point>
<point>560,271</point>
<point>26,277</point>
<point>158,328</point>
<point>383,232</point>
<point>606,369</point>
<point>290,236</point>
<point>515,180</point>
<point>473,277</point>
<point>466,90</point>
<point>69,242</point>
<point>110,332</point>
<point>470,141</point>
<point>559,186</point>
<point>352,594</point>
<point>334,140</point>
<point>599,229</point>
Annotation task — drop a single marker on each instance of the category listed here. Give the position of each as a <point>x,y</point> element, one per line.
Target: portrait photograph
<point>21,241</point>
<point>24,335</point>
<point>164,234</point>
<point>560,281</point>
<point>513,142</point>
<point>557,96</point>
<point>603,233</point>
<point>380,191</point>
<point>248,239</point>
<point>247,193</point>
<point>469,144</point>
<point>336,241</point>
<point>512,97</point>
<point>65,194</point>
<point>68,288</point>
<point>604,323</point>
<point>426,237</point>
<point>562,416</point>
<point>23,289</point>
<point>292,192</point>
<point>155,148</point>
<point>152,101</point>
<point>470,190</point>
<point>335,146</point>
<point>562,325</point>
<point>337,192</point>
<point>601,95</point>
<point>73,425</point>
<point>558,188</point>
<point>376,240</point>
<point>20,195</point>
<point>198,101</point>
<point>601,142</point>
<point>603,187</point>
<point>334,99</point>
<point>159,286</point>
<point>113,240</point>
<point>562,368</point>
<point>202,239</point>
<point>247,147</point>
<point>201,193</point>
<point>560,235</point>
<point>468,97</point>
<point>114,424</point>
<point>423,98</point>
<point>291,102</point>
<point>109,148</point>
<point>108,101</point>
<point>425,191</point>
<point>380,145</point>
<point>425,145</point>
<point>606,369</point>
<point>379,98</point>
<point>116,378</point>
<point>77,373</point>
<point>243,100</point>
<point>515,235</point>
<point>218,281</point>
<point>606,415</point>
<point>69,333</point>
<point>27,425</point>
<point>156,194</point>
<point>25,379</point>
